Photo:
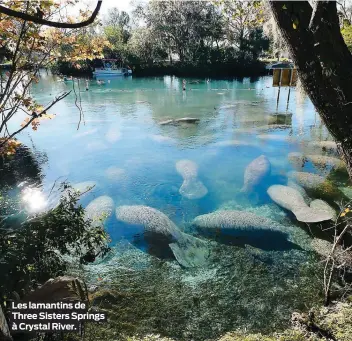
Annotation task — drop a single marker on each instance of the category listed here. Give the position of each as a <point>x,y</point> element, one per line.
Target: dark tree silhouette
<point>324,63</point>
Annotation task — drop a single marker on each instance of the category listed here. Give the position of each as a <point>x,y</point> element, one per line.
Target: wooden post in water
<point>278,93</point>
<point>289,89</point>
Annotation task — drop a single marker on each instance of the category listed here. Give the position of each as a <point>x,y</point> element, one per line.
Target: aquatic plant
<point>143,295</point>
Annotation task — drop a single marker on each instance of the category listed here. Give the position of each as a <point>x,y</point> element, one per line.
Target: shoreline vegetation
<point>178,69</point>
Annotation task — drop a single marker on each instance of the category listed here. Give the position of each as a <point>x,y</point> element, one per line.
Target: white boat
<point>111,69</point>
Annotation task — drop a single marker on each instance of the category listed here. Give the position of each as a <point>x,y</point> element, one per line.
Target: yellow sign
<point>284,77</point>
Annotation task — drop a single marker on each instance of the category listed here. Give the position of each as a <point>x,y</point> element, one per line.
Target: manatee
<point>317,186</point>
<point>161,232</point>
<point>187,168</point>
<point>292,200</point>
<point>297,159</point>
<point>191,188</point>
<point>233,220</point>
<point>300,189</point>
<point>255,172</point>
<point>99,210</point>
<point>306,180</point>
<point>326,161</point>
<point>116,174</point>
<point>241,227</point>
<point>321,205</point>
<point>330,146</point>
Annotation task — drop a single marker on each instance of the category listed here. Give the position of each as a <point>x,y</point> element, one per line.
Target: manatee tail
<point>190,251</point>
<point>310,215</point>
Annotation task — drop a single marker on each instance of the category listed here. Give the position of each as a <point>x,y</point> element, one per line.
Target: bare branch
<point>37,20</point>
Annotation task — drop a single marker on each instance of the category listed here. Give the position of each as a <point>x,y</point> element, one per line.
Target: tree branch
<point>37,20</point>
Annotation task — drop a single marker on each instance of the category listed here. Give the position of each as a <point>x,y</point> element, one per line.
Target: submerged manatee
<point>243,227</point>
<point>255,172</point>
<point>187,168</point>
<point>330,146</point>
<point>321,205</point>
<point>233,220</point>
<point>317,186</point>
<point>99,210</point>
<point>300,189</point>
<point>192,187</point>
<point>326,161</point>
<point>116,174</point>
<point>298,160</point>
<point>306,180</point>
<point>160,231</point>
<point>290,199</point>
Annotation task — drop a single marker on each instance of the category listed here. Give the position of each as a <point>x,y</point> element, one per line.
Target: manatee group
<point>192,187</point>
<point>255,173</point>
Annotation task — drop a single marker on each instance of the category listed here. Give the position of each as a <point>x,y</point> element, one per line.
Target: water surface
<point>122,146</point>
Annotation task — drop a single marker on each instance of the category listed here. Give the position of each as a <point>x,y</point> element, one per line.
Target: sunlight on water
<point>34,200</point>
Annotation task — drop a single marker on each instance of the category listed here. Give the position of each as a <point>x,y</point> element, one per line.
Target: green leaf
<point>284,7</point>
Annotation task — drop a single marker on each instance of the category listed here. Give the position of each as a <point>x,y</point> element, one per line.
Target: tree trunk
<point>324,64</point>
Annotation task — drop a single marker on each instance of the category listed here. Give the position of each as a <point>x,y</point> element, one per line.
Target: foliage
<point>188,38</point>
<point>41,247</point>
<point>30,47</point>
<point>347,35</point>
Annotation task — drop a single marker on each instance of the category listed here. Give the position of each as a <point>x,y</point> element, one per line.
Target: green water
<point>123,148</point>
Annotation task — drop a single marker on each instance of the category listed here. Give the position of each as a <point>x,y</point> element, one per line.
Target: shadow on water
<point>267,240</point>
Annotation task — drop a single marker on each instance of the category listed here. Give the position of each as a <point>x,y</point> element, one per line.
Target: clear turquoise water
<point>121,119</point>
<point>122,129</point>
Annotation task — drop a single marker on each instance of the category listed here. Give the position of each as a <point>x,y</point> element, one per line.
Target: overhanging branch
<point>37,20</point>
